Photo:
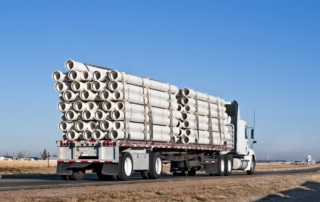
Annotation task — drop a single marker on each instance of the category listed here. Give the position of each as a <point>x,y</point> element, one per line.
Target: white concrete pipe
<point>193,125</point>
<point>64,126</point>
<point>82,125</point>
<point>63,117</point>
<point>88,95</point>
<point>106,125</point>
<point>73,65</point>
<point>118,115</point>
<point>108,105</point>
<point>106,95</point>
<point>69,95</point>
<point>132,89</point>
<point>100,76</point>
<point>80,75</point>
<point>79,86</point>
<point>129,107</point>
<point>161,137</point>
<point>137,127</point>
<point>59,76</point>
<point>72,115</point>
<point>156,85</point>
<point>99,134</point>
<point>87,135</point>
<point>192,117</point>
<point>99,86</point>
<point>61,86</point>
<point>135,98</point>
<point>63,106</point>
<point>101,115</point>
<point>94,106</point>
<point>80,106</point>
<point>88,115</point>
<point>120,135</point>
<point>72,135</point>
<point>121,76</point>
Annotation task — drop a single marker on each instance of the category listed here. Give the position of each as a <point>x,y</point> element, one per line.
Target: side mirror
<point>252,133</point>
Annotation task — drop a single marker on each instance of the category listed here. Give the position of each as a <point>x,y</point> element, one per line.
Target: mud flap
<point>64,169</point>
<point>110,169</point>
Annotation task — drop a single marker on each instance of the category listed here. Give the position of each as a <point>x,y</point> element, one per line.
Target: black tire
<point>252,168</point>
<point>144,174</point>
<point>228,165</point>
<point>65,177</point>
<point>77,175</point>
<point>192,172</point>
<point>126,167</point>
<point>155,166</point>
<point>221,165</point>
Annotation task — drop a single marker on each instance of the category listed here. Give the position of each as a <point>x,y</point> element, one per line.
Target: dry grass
<point>16,167</point>
<point>297,187</point>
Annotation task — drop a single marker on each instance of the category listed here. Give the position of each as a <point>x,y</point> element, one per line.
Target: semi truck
<point>119,158</point>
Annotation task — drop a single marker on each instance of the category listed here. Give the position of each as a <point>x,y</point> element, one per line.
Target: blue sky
<point>264,54</point>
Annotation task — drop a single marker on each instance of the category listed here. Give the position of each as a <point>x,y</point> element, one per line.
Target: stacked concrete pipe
<point>101,103</point>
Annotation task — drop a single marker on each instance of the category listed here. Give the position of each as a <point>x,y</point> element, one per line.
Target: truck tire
<point>252,167</point>
<point>221,165</point>
<point>228,165</point>
<point>192,172</point>
<point>126,165</point>
<point>77,174</point>
<point>155,166</point>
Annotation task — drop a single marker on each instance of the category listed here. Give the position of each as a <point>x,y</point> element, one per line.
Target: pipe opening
<point>120,105</point>
<point>69,64</point>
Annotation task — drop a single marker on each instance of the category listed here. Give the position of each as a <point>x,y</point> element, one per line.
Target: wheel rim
<point>229,165</point>
<point>222,166</point>
<point>128,166</point>
<point>158,166</point>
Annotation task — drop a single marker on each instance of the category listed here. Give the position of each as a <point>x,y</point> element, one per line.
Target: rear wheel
<point>192,172</point>
<point>155,167</point>
<point>126,166</point>
<point>252,167</point>
<point>228,165</point>
<point>77,174</point>
<point>221,166</point>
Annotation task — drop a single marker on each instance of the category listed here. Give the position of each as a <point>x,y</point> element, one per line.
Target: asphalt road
<point>26,181</point>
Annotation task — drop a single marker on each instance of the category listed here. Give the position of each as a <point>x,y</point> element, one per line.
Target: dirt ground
<point>295,187</point>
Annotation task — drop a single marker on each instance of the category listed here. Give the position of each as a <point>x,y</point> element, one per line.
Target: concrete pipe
<point>106,95</point>
<point>101,115</point>
<point>121,76</point>
<point>98,86</point>
<point>87,135</point>
<point>118,115</point>
<point>106,125</point>
<point>63,106</point>
<point>118,86</point>
<point>72,115</point>
<point>59,76</point>
<point>99,134</point>
<point>108,105</point>
<point>61,86</point>
<point>129,107</point>
<point>79,86</point>
<point>72,135</point>
<point>135,98</point>
<point>120,135</point>
<point>94,106</point>
<point>88,115</point>
<point>80,106</point>
<point>161,137</point>
<point>69,95</point>
<point>88,95</point>
<point>64,126</point>
<point>73,65</point>
<point>156,85</point>
<point>138,127</point>
<point>100,76</point>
